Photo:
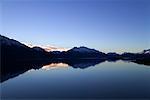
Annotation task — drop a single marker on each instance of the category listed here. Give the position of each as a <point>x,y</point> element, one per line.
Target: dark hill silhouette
<point>140,58</point>
<point>84,52</point>
<point>79,53</point>
<point>14,52</point>
<point>18,58</point>
<point>112,56</point>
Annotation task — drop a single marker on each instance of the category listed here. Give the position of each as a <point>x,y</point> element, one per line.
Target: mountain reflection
<point>13,70</point>
<point>55,65</point>
<point>20,68</point>
<point>84,63</point>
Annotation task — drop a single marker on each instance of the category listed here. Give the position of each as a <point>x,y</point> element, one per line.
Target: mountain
<point>83,49</point>
<point>17,58</point>
<point>128,56</point>
<point>78,53</point>
<point>143,58</point>
<point>47,48</point>
<point>140,58</point>
<point>84,52</point>
<point>14,53</point>
<point>132,56</point>
<point>146,51</point>
<point>112,56</point>
<point>12,50</point>
<point>38,49</point>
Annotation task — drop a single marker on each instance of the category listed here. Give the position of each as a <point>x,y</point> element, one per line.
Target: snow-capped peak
<point>83,49</point>
<point>146,51</point>
<point>47,48</point>
<point>9,42</point>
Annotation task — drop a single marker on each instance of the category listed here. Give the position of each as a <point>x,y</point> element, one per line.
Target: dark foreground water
<point>105,80</point>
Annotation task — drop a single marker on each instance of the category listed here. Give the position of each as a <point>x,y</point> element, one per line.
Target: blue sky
<point>106,25</point>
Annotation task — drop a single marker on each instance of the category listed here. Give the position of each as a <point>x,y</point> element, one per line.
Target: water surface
<point>59,80</point>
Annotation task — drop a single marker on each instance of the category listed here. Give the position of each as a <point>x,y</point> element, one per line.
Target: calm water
<point>108,79</point>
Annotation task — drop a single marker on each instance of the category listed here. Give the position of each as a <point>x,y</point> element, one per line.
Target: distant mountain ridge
<point>83,49</point>
<point>47,48</point>
<point>146,51</point>
<point>12,50</point>
<point>18,58</point>
<point>84,52</point>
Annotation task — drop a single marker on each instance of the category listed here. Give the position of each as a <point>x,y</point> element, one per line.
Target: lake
<point>118,79</point>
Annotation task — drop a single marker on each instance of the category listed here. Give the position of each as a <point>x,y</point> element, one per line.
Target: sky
<point>106,25</point>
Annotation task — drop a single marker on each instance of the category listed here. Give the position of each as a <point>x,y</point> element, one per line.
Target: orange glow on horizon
<point>48,48</point>
<point>55,65</point>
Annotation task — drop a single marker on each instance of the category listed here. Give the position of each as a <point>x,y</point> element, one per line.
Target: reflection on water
<point>105,80</point>
<point>82,63</point>
<point>11,71</point>
<point>55,65</point>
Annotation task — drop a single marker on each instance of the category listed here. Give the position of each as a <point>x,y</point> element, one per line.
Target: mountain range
<point>17,57</point>
<point>12,51</point>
